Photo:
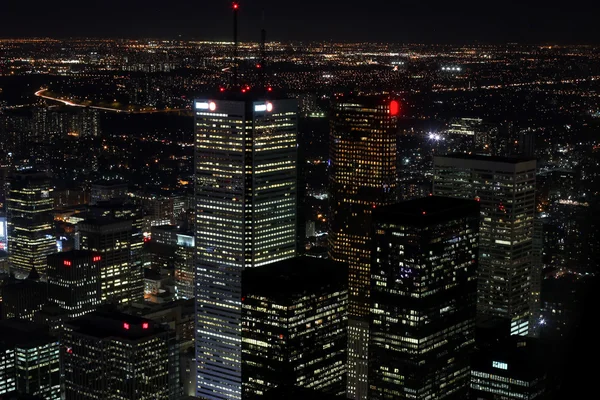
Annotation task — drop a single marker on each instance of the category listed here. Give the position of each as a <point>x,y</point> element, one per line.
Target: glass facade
<point>505,188</point>
<point>118,356</point>
<point>362,176</point>
<point>423,299</point>
<point>74,281</point>
<point>294,326</point>
<point>30,222</point>
<point>246,189</point>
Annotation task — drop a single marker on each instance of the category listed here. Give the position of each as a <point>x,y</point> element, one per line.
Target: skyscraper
<point>362,176</point>
<point>30,234</point>
<point>505,188</point>
<point>423,299</point>
<point>245,217</point>
<point>74,281</point>
<point>29,360</point>
<point>108,354</point>
<point>121,282</point>
<point>294,326</point>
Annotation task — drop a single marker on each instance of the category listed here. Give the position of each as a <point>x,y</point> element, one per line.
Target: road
<point>70,103</point>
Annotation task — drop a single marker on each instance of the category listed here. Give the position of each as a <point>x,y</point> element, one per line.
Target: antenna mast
<point>235,7</point>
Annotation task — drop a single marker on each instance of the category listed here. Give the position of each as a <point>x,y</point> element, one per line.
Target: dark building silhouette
<point>294,326</point>
<point>23,298</point>
<point>108,354</point>
<point>423,298</point>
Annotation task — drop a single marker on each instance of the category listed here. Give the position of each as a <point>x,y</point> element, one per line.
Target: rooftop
<point>294,276</point>
<point>479,157</point>
<point>427,210</point>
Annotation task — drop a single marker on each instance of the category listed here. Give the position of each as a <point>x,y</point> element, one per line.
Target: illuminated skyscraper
<point>294,326</point>
<point>505,188</point>
<point>423,299</point>
<point>30,222</point>
<point>362,177</point>
<point>245,217</point>
<point>121,281</point>
<point>74,281</point>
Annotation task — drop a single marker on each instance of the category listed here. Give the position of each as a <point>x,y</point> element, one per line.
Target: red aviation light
<point>125,325</point>
<point>236,6</point>
<point>67,263</point>
<point>145,325</point>
<point>394,108</point>
<point>222,89</point>
<point>96,258</point>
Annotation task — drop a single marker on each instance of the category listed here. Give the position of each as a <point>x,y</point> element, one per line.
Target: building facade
<point>423,299</point>
<point>362,176</point>
<point>294,326</point>
<point>74,282</point>
<point>30,222</point>
<point>505,189</point>
<point>115,355</point>
<point>29,360</point>
<point>246,189</point>
<point>121,282</point>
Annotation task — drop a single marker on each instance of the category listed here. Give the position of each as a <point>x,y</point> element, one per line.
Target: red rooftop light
<point>236,6</point>
<point>96,259</point>
<point>394,108</point>
<point>145,325</point>
<point>125,325</point>
<point>67,263</point>
<point>222,89</point>
<point>270,89</point>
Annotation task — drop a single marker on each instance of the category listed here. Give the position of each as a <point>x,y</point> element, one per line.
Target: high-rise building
<point>30,222</point>
<point>512,369</point>
<point>74,281</point>
<point>23,298</point>
<point>362,176</point>
<point>423,299</point>
<point>121,282</point>
<point>245,177</point>
<point>505,188</point>
<point>294,326</point>
<point>108,190</point>
<point>108,354</point>
<point>184,266</point>
<point>29,360</point>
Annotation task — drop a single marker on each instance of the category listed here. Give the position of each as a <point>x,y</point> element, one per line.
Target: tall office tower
<point>184,266</point>
<point>362,176</point>
<point>29,360</point>
<point>74,281</point>
<point>29,214</point>
<point>111,355</point>
<point>245,217</point>
<point>515,368</point>
<point>121,282</point>
<point>423,299</point>
<point>505,188</point>
<point>294,326</point>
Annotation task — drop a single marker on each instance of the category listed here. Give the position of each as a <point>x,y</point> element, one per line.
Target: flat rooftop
<point>427,210</point>
<point>479,157</point>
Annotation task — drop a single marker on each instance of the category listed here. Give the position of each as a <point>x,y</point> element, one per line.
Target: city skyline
<point>397,22</point>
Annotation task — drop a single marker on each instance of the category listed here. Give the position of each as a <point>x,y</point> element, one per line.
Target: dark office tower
<point>245,217</point>
<point>29,215</point>
<point>29,360</point>
<point>423,299</point>
<point>505,188</point>
<point>120,281</point>
<point>74,281</point>
<point>294,326</point>
<point>362,176</point>
<point>108,190</point>
<point>23,298</point>
<point>513,369</point>
<point>110,355</point>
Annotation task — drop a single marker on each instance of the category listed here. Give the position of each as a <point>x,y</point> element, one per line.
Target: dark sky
<point>442,21</point>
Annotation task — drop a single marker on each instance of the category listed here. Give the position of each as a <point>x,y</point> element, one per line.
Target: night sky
<point>428,21</point>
